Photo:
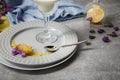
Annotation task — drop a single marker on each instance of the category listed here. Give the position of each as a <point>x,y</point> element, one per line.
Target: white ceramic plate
<point>26,32</point>
<point>21,67</point>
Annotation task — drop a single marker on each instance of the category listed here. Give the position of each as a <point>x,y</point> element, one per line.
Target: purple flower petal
<point>116,28</point>
<point>106,39</point>
<point>92,31</point>
<point>101,31</point>
<point>91,37</point>
<point>23,55</point>
<point>20,18</point>
<point>114,34</point>
<point>14,51</point>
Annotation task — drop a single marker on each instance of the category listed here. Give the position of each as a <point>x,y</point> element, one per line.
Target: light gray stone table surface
<point>99,61</point>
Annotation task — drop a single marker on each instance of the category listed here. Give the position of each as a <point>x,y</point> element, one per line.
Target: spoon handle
<point>74,43</point>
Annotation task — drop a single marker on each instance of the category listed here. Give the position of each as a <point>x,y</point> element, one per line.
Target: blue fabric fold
<point>28,11</point>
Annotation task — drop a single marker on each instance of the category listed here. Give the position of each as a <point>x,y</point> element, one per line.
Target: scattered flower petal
<point>91,37</point>
<point>116,28</point>
<point>23,55</point>
<point>114,34</point>
<point>101,31</point>
<point>92,31</point>
<point>106,39</point>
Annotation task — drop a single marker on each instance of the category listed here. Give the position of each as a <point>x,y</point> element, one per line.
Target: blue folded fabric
<point>28,11</point>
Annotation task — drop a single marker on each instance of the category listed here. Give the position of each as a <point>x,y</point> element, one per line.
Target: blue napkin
<point>28,11</point>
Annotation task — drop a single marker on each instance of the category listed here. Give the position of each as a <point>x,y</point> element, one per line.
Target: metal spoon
<point>53,48</point>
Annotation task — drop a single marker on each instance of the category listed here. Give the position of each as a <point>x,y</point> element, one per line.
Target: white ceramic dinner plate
<point>26,32</point>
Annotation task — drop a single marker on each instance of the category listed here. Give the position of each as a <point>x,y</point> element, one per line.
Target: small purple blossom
<point>101,31</point>
<point>114,34</point>
<point>106,39</point>
<point>4,7</point>
<point>20,18</point>
<point>116,28</point>
<point>91,37</point>
<point>92,31</point>
<point>14,51</point>
<point>23,55</point>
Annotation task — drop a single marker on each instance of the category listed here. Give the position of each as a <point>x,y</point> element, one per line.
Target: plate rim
<point>35,69</point>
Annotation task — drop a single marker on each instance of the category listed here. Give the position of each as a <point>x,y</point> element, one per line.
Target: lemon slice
<point>97,14</point>
<point>5,24</point>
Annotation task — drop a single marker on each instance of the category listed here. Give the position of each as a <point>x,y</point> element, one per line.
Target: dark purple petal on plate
<point>89,18</point>
<point>92,31</point>
<point>23,55</point>
<point>101,31</point>
<point>14,51</point>
<point>106,39</point>
<point>91,37</point>
<point>116,28</point>
<point>20,18</point>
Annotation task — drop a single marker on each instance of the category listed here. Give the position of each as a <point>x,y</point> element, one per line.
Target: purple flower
<point>91,37</point>
<point>92,31</point>
<point>20,18</point>
<point>4,8</point>
<point>114,34</point>
<point>116,28</point>
<point>101,31</point>
<point>106,39</point>
<point>14,51</point>
<point>23,55</point>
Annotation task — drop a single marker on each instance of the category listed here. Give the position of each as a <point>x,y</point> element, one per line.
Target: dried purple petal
<point>92,31</point>
<point>101,31</point>
<point>20,18</point>
<point>116,28</point>
<point>14,51</point>
<point>91,37</point>
<point>4,7</point>
<point>106,39</point>
<point>19,51</point>
<point>114,34</point>
<point>23,55</point>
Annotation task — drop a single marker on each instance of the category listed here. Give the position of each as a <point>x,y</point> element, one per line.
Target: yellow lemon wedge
<point>96,13</point>
<point>5,24</point>
<point>25,48</point>
<point>13,44</point>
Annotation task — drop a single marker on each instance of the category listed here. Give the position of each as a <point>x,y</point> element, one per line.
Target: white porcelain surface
<point>26,32</point>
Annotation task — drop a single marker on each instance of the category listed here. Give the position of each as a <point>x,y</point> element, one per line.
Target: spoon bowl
<point>53,48</point>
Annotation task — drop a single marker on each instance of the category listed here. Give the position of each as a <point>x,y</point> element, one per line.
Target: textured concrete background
<point>100,61</point>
